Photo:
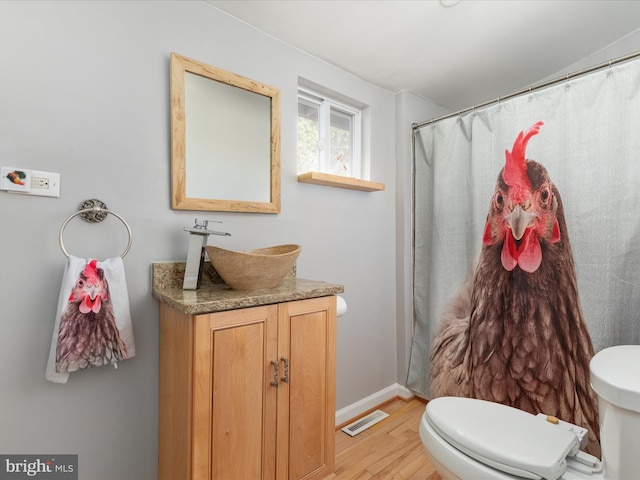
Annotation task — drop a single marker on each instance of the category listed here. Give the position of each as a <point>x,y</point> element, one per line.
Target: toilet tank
<point>615,377</point>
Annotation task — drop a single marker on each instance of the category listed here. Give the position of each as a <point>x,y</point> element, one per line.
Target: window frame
<point>358,178</point>
<point>326,104</point>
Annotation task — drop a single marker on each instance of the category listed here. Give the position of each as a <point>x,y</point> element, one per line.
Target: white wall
<point>84,91</point>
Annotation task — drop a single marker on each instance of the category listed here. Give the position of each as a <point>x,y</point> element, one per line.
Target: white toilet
<point>473,439</point>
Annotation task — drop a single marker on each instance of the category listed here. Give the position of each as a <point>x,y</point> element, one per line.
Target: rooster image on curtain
<point>88,335</point>
<point>515,332</point>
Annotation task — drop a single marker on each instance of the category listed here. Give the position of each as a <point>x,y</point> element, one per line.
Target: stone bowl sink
<point>254,269</point>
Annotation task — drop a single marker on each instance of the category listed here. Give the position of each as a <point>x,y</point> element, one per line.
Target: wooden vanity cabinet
<point>248,393</point>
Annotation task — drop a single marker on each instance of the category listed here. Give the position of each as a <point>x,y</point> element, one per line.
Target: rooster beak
<point>519,220</point>
<point>93,292</point>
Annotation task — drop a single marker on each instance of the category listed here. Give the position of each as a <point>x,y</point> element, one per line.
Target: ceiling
<point>457,53</point>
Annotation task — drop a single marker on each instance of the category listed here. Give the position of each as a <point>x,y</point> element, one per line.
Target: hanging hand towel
<point>93,321</point>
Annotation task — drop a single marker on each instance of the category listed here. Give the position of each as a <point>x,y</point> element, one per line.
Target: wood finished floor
<point>389,450</point>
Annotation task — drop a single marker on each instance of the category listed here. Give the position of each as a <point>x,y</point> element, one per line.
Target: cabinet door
<point>234,417</point>
<point>306,403</point>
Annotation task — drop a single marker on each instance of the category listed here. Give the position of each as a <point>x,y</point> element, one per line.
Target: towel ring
<point>95,213</point>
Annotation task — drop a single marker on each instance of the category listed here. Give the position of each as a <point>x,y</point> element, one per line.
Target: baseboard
<point>350,412</point>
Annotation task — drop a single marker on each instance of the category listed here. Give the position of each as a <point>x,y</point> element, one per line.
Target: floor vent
<point>365,422</point>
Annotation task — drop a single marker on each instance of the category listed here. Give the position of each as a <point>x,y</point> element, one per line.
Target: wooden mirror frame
<point>179,200</point>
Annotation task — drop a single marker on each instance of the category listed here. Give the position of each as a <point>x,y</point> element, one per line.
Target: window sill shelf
<point>350,183</point>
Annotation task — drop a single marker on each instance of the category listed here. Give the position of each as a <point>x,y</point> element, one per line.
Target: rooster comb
<point>515,167</point>
<point>91,271</point>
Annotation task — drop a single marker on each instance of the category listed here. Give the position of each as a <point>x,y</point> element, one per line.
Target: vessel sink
<point>253,269</point>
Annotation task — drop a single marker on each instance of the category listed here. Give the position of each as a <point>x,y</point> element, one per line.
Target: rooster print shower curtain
<point>519,279</point>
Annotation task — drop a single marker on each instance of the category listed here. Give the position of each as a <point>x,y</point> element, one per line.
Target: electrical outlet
<point>45,184</point>
<point>30,182</point>
<point>37,182</point>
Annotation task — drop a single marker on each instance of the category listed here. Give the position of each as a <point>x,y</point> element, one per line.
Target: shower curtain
<point>589,144</point>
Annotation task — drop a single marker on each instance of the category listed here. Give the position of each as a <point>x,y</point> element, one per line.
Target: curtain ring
<point>96,211</point>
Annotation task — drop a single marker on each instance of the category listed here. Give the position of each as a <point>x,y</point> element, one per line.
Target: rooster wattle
<point>515,332</point>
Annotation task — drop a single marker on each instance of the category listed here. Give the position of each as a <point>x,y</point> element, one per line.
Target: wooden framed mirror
<point>225,140</point>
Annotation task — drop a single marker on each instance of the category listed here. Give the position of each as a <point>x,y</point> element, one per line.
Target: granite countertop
<point>214,295</point>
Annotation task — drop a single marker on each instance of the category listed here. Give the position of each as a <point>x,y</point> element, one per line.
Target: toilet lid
<point>615,375</point>
<point>505,438</point>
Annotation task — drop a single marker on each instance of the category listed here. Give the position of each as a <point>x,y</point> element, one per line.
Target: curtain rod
<point>533,88</point>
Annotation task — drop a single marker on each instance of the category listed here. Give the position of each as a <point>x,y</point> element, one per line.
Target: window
<point>332,141</point>
<point>329,136</point>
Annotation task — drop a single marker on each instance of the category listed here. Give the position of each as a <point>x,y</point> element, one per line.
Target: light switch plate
<point>30,182</point>
<point>15,179</point>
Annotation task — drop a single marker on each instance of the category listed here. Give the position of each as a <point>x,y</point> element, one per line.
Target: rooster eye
<point>544,195</point>
<point>499,200</point>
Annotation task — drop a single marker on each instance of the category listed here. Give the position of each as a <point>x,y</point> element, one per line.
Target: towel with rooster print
<point>93,322</point>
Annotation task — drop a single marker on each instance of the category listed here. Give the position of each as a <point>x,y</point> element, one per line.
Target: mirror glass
<point>225,132</point>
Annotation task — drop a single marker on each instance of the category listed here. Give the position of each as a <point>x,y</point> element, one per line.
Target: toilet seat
<point>502,437</point>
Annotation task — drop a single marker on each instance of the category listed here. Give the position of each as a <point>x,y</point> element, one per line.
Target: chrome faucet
<point>198,235</point>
